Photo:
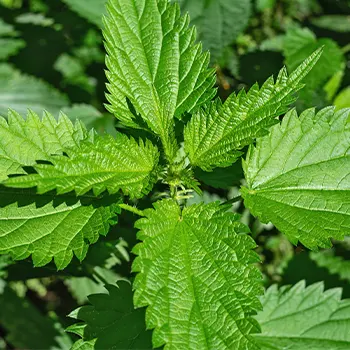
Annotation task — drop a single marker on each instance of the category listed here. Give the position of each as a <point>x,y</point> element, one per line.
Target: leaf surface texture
<point>197,276</point>
<point>215,134</point>
<point>298,177</point>
<point>300,318</point>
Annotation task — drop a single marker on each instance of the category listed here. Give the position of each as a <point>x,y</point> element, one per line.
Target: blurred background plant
<point>52,58</point>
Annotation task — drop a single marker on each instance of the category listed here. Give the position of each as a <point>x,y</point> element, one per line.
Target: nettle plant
<point>196,270</point>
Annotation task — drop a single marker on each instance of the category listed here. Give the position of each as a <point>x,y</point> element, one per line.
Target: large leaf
<point>219,22</point>
<point>155,69</point>
<point>23,142</point>
<point>92,10</point>
<point>26,327</point>
<point>298,177</point>
<point>105,163</point>
<point>111,322</point>
<point>51,226</point>
<point>20,92</point>
<point>300,318</point>
<point>214,134</point>
<point>197,275</point>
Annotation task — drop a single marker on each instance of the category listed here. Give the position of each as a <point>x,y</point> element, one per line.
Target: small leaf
<point>300,318</point>
<point>215,134</point>
<point>298,177</point>
<point>197,275</point>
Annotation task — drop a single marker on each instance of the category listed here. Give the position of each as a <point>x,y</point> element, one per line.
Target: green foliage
<point>299,44</point>
<point>215,134</point>
<point>91,117</point>
<point>104,163</point>
<point>21,92</point>
<point>9,44</point>
<point>195,272</point>
<point>213,18</point>
<point>337,23</point>
<point>334,264</point>
<point>343,99</point>
<point>298,177</point>
<point>92,10</point>
<point>192,263</point>
<point>300,318</point>
<point>23,142</point>
<point>26,326</point>
<point>154,65</point>
<point>111,322</point>
<point>48,228</point>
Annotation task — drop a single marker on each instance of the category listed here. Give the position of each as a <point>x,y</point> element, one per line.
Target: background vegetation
<point>52,58</point>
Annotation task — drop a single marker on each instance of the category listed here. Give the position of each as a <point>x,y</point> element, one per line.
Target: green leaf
<point>299,44</point>
<point>214,20</point>
<point>111,322</point>
<point>197,275</point>
<point>300,318</point>
<point>334,264</point>
<point>214,135</point>
<point>26,327</point>
<point>9,44</point>
<point>298,177</point>
<point>104,163</point>
<point>337,23</point>
<point>155,69</point>
<point>92,10</point>
<point>51,226</point>
<point>20,92</point>
<point>343,99</point>
<point>10,47</point>
<point>36,19</point>
<point>91,117</point>
<point>23,142</point>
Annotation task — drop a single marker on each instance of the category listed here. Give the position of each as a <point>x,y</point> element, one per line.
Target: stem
<point>131,209</point>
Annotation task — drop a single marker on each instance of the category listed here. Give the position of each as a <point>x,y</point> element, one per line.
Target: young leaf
<point>20,92</point>
<point>105,163</point>
<point>216,29</point>
<point>214,135</point>
<point>111,322</point>
<point>23,142</point>
<point>155,69</point>
<point>48,228</point>
<point>300,318</point>
<point>298,177</point>
<point>197,277</point>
